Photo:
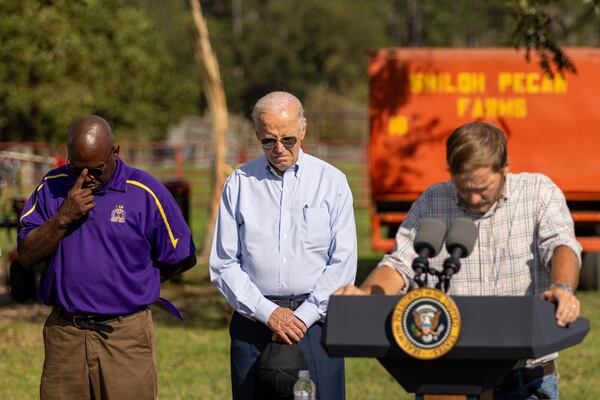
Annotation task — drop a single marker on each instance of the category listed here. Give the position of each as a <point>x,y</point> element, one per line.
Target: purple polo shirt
<point>107,262</point>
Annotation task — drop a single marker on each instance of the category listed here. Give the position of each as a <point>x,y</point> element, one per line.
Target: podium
<point>496,332</point>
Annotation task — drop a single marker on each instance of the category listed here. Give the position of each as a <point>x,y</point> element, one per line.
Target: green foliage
<point>63,59</point>
<point>544,26</point>
<point>459,23</point>
<point>132,61</point>
<point>296,45</point>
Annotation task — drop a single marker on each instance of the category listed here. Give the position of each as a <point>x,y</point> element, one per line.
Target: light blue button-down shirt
<point>284,236</point>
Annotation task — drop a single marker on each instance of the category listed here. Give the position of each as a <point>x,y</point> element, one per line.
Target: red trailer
<point>418,96</point>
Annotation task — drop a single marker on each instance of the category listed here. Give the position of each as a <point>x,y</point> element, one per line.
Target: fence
<point>22,165</point>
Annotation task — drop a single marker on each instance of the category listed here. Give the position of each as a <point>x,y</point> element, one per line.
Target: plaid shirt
<point>517,237</point>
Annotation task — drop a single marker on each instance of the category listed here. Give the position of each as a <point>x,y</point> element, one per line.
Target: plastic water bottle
<point>304,388</point>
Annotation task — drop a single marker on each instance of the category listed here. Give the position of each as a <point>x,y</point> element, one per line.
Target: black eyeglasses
<point>288,142</point>
<point>96,172</point>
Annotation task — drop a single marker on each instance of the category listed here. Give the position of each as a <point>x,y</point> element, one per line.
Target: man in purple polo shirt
<point>109,234</point>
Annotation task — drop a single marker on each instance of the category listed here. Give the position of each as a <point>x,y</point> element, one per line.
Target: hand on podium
<point>567,305</point>
<point>351,290</point>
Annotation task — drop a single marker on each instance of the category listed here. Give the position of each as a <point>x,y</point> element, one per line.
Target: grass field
<point>193,355</point>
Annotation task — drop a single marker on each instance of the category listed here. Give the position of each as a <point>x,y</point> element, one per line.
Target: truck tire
<point>22,283</point>
<point>590,271</point>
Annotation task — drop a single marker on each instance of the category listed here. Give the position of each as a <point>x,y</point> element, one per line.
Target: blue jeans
<point>543,388</point>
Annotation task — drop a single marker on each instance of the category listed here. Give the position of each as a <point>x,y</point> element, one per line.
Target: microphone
<point>428,243</point>
<point>459,243</point>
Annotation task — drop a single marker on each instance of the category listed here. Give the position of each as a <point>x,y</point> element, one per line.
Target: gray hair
<point>277,102</point>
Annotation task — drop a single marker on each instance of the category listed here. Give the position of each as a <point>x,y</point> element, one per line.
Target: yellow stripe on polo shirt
<point>37,190</point>
<point>160,208</point>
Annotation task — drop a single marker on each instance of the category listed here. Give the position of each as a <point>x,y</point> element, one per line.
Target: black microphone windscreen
<point>462,233</point>
<point>430,236</point>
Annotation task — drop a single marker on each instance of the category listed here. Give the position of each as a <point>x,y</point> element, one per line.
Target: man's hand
<point>568,307</point>
<point>351,290</point>
<point>286,327</point>
<point>78,202</point>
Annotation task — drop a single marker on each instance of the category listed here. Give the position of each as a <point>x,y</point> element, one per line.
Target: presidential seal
<point>426,323</point>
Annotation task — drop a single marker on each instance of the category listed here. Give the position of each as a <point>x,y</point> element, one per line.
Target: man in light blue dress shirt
<point>285,239</point>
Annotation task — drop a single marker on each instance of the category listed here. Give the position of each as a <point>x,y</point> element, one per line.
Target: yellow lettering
<point>398,125</point>
<point>546,85</point>
<point>461,106</point>
<point>491,107</point>
<point>430,83</point>
<point>533,79</point>
<point>446,82</point>
<point>477,110</point>
<point>560,84</point>
<point>520,108</point>
<point>479,83</point>
<point>504,81</point>
<point>519,82</point>
<point>531,83</point>
<point>469,82</point>
<point>446,85</point>
<point>503,107</point>
<point>464,83</point>
<point>416,83</point>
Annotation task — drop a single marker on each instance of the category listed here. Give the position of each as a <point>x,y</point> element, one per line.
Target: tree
<point>213,88</point>
<point>295,45</point>
<point>62,59</point>
<point>540,23</point>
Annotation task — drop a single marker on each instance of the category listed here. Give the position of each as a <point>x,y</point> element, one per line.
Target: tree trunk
<point>215,96</point>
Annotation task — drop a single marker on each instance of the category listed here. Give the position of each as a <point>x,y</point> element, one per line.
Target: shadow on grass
<point>200,303</point>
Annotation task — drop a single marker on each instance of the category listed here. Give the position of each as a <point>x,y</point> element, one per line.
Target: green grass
<point>193,356</point>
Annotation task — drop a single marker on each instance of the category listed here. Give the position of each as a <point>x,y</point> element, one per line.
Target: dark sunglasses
<point>96,172</point>
<point>288,142</point>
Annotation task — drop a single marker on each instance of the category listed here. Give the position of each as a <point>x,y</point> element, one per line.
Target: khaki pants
<point>85,364</point>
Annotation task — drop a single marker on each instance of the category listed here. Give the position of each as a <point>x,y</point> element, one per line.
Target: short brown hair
<point>476,145</point>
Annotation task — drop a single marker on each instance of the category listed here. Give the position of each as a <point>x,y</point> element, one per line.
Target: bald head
<point>278,103</point>
<point>91,147</point>
<point>90,133</point>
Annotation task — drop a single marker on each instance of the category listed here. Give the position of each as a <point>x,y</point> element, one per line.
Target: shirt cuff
<point>308,313</point>
<point>264,309</point>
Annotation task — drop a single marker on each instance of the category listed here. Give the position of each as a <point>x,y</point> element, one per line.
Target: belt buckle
<point>84,324</point>
<point>88,323</point>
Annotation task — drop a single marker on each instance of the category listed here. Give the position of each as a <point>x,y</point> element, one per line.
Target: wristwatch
<point>563,286</point>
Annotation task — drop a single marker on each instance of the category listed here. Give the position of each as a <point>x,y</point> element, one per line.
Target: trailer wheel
<point>590,271</point>
<point>22,283</point>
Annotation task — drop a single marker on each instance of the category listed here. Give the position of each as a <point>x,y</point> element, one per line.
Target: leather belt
<point>292,302</point>
<point>528,375</point>
<point>98,323</point>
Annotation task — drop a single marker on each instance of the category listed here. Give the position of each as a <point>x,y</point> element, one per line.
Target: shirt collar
<point>119,179</point>
<point>296,167</point>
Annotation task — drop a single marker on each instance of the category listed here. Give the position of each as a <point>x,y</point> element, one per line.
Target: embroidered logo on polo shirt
<point>118,214</point>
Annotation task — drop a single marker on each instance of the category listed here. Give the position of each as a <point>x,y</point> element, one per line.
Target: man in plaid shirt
<point>526,243</point>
